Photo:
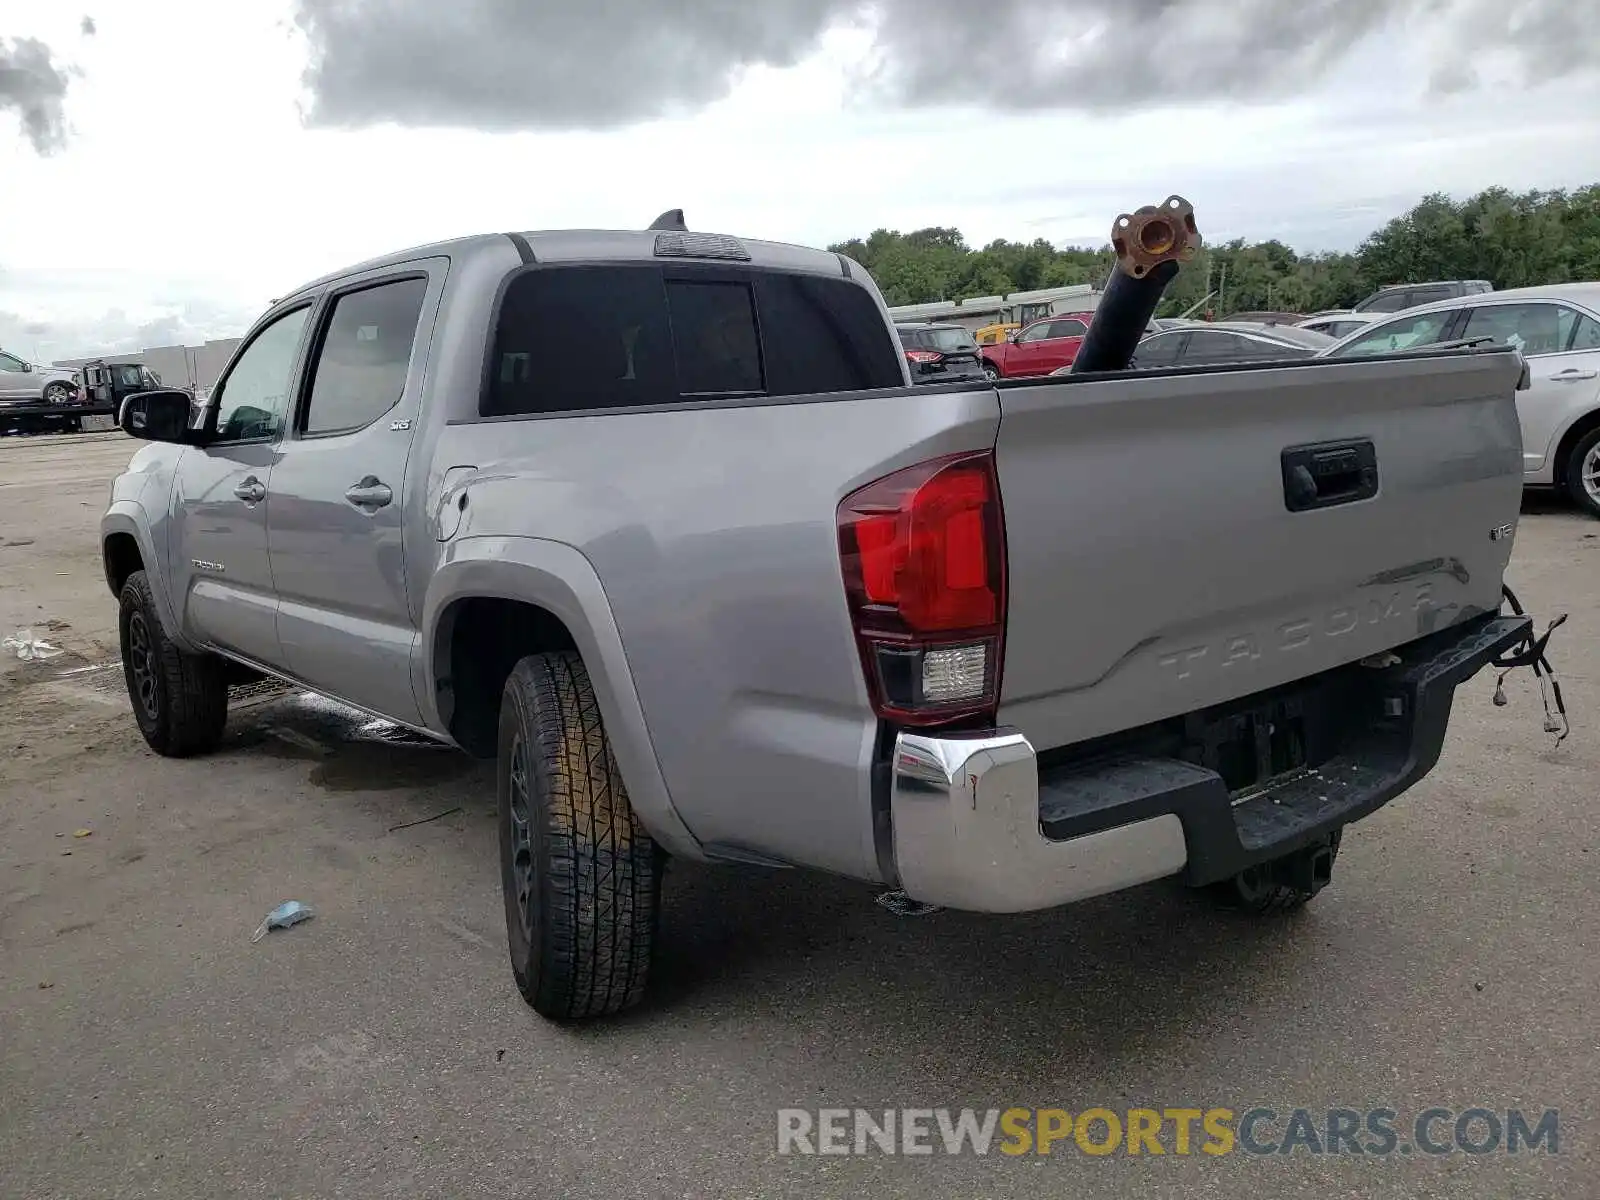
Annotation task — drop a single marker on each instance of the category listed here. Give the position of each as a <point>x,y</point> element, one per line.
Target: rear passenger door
<point>336,528</point>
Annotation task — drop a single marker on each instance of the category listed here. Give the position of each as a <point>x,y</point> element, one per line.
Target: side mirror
<point>27,368</point>
<point>159,416</point>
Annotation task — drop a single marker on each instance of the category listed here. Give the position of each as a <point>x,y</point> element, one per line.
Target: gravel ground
<point>147,1047</point>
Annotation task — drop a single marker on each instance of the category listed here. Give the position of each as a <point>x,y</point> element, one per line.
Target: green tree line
<point>1511,239</point>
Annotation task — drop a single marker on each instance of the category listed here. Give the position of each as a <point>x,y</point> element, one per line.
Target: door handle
<point>371,492</point>
<point>1572,375</point>
<point>251,491</point>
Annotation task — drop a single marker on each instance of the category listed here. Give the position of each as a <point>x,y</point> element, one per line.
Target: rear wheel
<point>1583,473</point>
<point>180,700</point>
<point>580,874</point>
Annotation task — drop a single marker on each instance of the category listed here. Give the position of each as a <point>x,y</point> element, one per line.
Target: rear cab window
<point>586,338</point>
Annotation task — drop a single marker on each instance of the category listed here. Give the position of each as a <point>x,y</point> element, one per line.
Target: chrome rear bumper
<point>965,812</point>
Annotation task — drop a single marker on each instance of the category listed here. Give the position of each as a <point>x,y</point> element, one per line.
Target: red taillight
<point>923,552</point>
<point>923,356</point>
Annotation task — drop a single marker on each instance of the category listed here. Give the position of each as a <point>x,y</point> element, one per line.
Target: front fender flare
<point>127,516</point>
<point>559,579</point>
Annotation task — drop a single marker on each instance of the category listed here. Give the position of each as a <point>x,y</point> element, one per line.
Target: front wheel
<point>58,393</point>
<point>180,700</point>
<point>1583,473</point>
<point>992,371</point>
<point>580,874</point>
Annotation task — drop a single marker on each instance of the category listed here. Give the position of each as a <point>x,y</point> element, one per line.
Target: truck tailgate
<point>1164,556</point>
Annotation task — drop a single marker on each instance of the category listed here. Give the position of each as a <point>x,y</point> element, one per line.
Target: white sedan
<point>1557,328</point>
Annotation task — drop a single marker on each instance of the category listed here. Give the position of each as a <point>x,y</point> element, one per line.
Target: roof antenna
<point>672,219</point>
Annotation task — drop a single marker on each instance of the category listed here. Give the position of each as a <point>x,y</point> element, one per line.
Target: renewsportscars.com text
<point>1214,1131</point>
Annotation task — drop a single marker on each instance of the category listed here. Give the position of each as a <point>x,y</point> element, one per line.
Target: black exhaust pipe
<point>1150,246</point>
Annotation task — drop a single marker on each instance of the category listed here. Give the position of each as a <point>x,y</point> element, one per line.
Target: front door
<point>1562,347</point>
<point>1061,347</point>
<point>222,493</point>
<point>335,532</point>
<point>1028,351</point>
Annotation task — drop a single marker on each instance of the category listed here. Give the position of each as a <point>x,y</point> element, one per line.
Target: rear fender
<point>559,579</point>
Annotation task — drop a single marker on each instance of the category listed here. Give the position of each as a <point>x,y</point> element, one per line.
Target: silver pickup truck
<point>656,520</point>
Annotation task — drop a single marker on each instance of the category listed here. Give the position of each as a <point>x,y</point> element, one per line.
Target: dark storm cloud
<point>540,64</point>
<point>34,87</point>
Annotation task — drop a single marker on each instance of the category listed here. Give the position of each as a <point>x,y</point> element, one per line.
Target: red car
<point>1038,348</point>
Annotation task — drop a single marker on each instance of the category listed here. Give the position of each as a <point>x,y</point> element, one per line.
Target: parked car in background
<point>34,398</point>
<point>939,353</point>
<point>1557,329</point>
<point>1219,343</point>
<point>1339,324</point>
<point>1396,297</point>
<point>1039,348</point>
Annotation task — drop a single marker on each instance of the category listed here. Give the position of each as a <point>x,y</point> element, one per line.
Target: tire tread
<point>599,876</point>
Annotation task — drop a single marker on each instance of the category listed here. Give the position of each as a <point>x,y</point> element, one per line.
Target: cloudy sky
<point>168,167</point>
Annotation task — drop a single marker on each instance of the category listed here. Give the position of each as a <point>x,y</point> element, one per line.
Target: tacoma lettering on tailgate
<point>1248,647</point>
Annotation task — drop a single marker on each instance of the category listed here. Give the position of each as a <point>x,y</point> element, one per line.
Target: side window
<point>1068,328</point>
<point>1036,333</point>
<point>1210,347</point>
<point>1385,302</point>
<point>1586,336</point>
<point>253,399</point>
<point>7,363</point>
<point>360,368</point>
<point>822,334</point>
<point>1427,295</point>
<point>1158,351</point>
<point>1400,334</point>
<point>1531,328</point>
<point>714,338</point>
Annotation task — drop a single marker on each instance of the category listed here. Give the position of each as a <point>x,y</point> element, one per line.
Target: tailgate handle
<point>1330,473</point>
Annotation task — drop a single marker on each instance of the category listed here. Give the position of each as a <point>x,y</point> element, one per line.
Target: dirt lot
<point>148,1048</point>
